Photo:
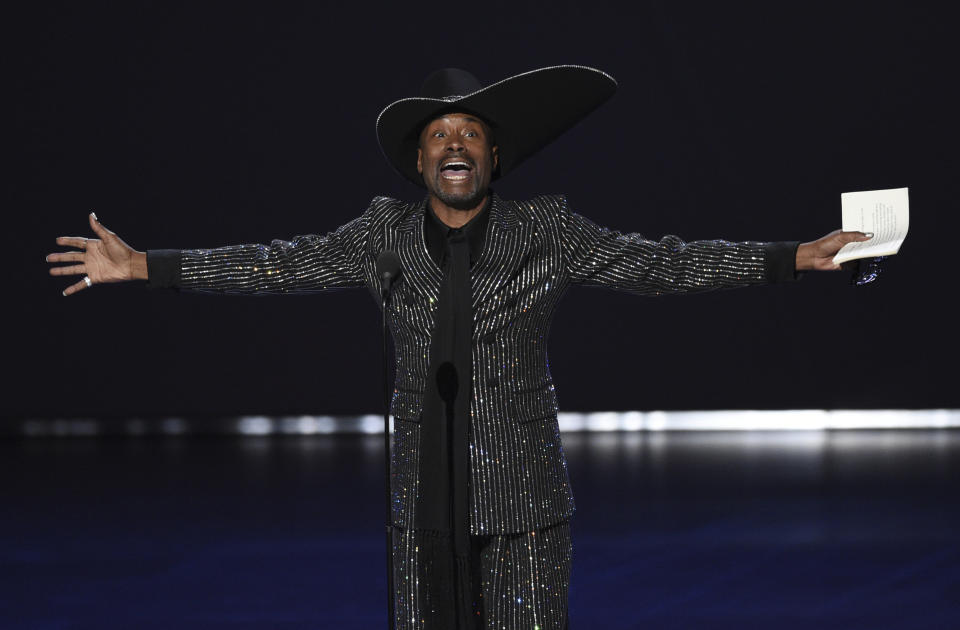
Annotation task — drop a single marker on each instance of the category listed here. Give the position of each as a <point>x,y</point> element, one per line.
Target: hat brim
<point>528,111</point>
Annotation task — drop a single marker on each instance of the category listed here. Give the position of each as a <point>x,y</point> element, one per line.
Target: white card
<point>886,213</point>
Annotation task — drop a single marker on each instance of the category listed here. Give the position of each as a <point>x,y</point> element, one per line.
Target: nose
<point>454,144</point>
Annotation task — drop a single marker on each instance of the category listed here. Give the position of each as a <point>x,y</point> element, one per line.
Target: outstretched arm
<point>305,264</point>
<point>601,257</point>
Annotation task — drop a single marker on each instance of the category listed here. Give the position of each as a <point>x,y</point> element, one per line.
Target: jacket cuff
<point>163,268</point>
<point>782,261</point>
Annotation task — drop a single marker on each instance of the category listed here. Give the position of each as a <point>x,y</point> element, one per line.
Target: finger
<point>73,288</point>
<point>68,271</point>
<point>98,229</point>
<point>65,257</point>
<point>73,241</point>
<point>854,237</point>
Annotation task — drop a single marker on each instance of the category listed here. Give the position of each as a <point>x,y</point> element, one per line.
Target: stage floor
<point>848,529</point>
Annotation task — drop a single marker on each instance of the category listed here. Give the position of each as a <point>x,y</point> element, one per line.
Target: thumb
<point>98,229</point>
<point>854,237</point>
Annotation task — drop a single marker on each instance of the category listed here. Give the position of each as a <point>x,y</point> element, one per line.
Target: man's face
<point>457,159</point>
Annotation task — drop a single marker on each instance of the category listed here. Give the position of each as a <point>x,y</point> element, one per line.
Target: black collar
<point>436,233</point>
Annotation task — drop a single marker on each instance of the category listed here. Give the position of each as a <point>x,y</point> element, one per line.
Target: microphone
<point>389,270</point>
<point>447,384</point>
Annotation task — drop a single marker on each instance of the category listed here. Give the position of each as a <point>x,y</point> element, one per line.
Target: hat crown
<point>449,84</point>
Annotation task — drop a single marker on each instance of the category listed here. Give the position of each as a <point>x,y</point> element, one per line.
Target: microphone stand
<point>389,269</point>
<point>385,298</point>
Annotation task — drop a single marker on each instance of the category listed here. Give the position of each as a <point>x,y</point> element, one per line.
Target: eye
<point>438,134</point>
<point>470,134</point>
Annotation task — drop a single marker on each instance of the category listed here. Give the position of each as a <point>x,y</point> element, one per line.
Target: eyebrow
<point>466,118</point>
<point>427,128</point>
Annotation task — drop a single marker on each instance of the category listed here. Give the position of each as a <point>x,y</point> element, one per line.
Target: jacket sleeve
<point>597,256</point>
<point>308,263</point>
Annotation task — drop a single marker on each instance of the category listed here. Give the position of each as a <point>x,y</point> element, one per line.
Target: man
<point>481,498</point>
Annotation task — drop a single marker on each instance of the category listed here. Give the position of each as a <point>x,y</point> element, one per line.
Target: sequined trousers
<point>525,580</point>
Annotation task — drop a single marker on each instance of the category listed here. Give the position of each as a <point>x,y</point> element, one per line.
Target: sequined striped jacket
<point>534,250</point>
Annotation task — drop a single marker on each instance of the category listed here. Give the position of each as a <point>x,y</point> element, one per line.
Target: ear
<point>420,160</point>
<point>495,151</point>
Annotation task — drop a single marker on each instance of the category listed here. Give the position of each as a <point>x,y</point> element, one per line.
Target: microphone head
<point>389,268</point>
<point>447,382</point>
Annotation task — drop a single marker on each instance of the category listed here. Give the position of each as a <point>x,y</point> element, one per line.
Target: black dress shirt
<point>436,232</point>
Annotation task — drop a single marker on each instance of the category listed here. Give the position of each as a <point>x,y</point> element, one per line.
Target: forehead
<point>457,118</point>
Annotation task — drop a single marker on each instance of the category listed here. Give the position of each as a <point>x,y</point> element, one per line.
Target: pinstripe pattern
<point>534,250</point>
<point>525,580</point>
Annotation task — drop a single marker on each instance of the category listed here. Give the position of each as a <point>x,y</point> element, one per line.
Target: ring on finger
<point>88,281</point>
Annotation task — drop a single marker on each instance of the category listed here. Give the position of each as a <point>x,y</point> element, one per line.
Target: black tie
<point>443,498</point>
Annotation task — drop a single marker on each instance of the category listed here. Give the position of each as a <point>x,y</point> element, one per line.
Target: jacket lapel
<point>504,252</point>
<point>420,272</point>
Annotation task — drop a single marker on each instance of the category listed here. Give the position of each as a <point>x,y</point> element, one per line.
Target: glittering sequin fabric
<point>534,251</point>
<point>525,580</point>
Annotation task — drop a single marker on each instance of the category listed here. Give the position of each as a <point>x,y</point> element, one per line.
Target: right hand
<point>107,259</point>
<point>818,255</point>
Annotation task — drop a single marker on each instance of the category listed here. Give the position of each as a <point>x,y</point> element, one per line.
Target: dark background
<point>199,125</point>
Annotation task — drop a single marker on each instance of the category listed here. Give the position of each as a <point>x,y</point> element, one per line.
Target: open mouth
<point>456,170</point>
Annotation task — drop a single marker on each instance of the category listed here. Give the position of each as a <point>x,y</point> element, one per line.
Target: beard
<point>460,199</point>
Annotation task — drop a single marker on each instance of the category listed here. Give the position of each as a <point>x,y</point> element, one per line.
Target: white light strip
<point>784,420</point>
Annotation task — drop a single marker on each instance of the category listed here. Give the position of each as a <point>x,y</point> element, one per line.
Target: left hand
<point>818,255</point>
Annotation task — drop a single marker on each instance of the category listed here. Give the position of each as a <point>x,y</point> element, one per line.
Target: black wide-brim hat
<point>527,111</point>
